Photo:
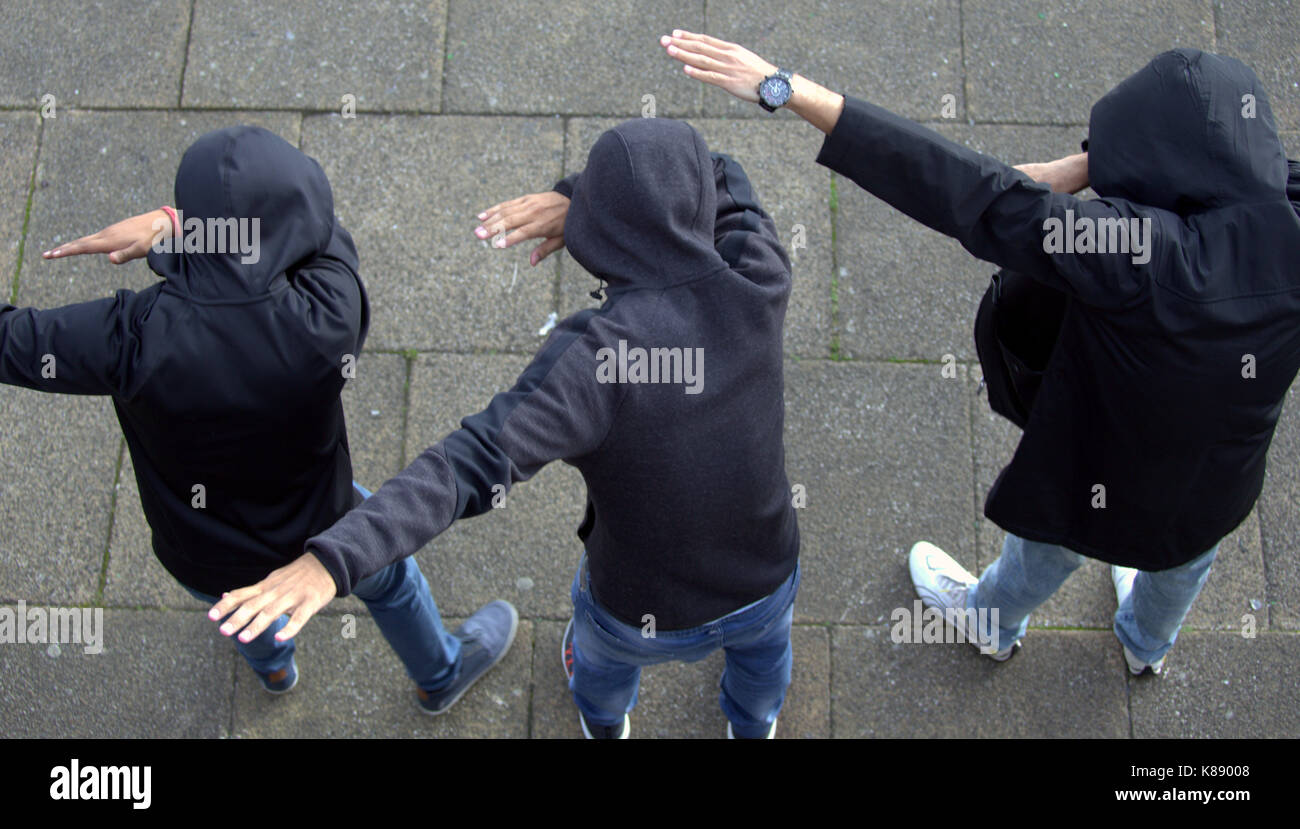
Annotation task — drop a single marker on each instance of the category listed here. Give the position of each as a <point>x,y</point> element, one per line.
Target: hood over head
<point>642,211</point>
<point>252,207</point>
<point>1181,135</point>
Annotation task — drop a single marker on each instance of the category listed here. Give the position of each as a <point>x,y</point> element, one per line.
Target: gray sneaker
<point>484,640</point>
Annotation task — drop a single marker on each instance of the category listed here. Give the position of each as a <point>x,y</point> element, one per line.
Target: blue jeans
<point>1028,573</point>
<point>608,655</point>
<point>401,604</point>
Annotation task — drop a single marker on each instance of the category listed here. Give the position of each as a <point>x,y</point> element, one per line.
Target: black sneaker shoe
<point>485,638</point>
<point>591,732</point>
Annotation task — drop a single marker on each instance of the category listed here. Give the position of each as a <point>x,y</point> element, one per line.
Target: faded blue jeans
<point>1029,572</point>
<point>608,655</point>
<point>401,604</point>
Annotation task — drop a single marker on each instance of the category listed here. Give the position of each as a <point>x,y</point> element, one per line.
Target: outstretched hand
<point>301,588</point>
<point>128,239</point>
<point>728,66</point>
<point>535,216</point>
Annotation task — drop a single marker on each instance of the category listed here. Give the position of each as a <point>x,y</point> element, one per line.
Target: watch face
<point>774,91</point>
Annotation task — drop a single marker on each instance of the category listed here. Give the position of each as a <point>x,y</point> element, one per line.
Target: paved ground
<point>460,104</point>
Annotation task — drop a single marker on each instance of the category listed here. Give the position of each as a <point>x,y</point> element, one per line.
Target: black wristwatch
<point>775,90</point>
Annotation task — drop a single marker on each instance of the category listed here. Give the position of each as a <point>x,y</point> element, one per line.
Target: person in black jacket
<point>225,377</point>
<point>1146,444</point>
<point>669,400</point>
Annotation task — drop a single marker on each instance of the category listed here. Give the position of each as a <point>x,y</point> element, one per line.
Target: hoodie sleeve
<point>743,234</point>
<point>87,348</point>
<point>557,409</point>
<point>338,311</point>
<point>565,185</point>
<point>996,212</point>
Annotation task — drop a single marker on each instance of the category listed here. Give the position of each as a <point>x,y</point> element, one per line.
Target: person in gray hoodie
<point>668,398</point>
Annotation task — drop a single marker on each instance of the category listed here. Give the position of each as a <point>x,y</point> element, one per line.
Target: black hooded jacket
<point>226,376</point>
<point>1146,444</point>
<point>689,513</point>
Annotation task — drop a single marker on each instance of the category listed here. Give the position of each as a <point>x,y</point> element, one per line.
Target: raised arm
<point>996,212</point>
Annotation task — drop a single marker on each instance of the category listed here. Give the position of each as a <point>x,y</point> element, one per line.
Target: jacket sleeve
<point>565,185</point>
<point>743,234</point>
<point>86,348</point>
<point>338,310</point>
<point>556,409</point>
<point>996,212</point>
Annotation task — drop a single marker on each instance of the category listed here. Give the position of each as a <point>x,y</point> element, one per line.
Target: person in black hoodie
<point>668,400</point>
<point>1146,443</point>
<point>225,377</point>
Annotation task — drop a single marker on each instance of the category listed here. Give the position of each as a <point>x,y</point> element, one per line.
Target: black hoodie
<point>226,376</point>
<point>1147,442</point>
<point>689,512</point>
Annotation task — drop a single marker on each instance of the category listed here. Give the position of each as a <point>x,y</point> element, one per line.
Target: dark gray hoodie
<point>689,511</point>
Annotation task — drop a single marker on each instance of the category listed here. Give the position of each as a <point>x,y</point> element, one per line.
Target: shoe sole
<point>510,640</point>
<point>564,656</point>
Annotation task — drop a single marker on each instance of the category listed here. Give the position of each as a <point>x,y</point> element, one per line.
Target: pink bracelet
<point>171,214</point>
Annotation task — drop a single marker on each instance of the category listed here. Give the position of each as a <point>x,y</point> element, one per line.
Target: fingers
<point>682,34</point>
<point>695,47</point>
<point>299,618</point>
<point>86,244</point>
<point>696,60</point>
<point>127,254</point>
<point>241,607</point>
<point>545,249</point>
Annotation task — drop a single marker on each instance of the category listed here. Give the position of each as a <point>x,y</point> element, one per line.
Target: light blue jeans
<point>1029,572</point>
<point>402,606</point>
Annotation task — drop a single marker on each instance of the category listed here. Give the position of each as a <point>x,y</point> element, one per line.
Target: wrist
<point>815,103</point>
<point>170,214</point>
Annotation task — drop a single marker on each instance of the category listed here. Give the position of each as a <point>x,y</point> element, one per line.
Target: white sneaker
<point>771,732</point>
<point>1122,578</point>
<point>942,584</point>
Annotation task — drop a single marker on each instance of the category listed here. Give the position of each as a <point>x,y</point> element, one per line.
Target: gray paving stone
<point>408,189</point>
<point>524,57</point>
<point>1261,33</point>
<point>161,674</point>
<point>19,133</point>
<point>883,452</point>
<point>1291,141</point>
<point>357,688</point>
<point>110,54</point>
<point>905,291</point>
<point>97,168</point>
<point>58,457</point>
<point>679,700</point>
<point>903,56</point>
<point>1221,685</point>
<point>780,160</point>
<point>883,689</point>
<point>287,53</point>
<point>526,551</point>
<point>1279,518</point>
<point>1049,63</point>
